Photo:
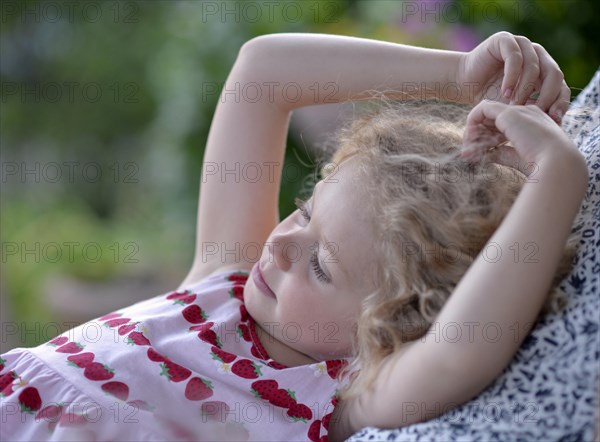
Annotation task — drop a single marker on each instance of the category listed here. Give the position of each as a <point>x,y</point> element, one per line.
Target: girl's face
<point>318,262</point>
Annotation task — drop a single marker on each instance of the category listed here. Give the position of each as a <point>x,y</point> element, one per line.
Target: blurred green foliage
<point>128,88</point>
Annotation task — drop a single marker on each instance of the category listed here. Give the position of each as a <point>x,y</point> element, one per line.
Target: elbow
<point>262,44</point>
<point>273,46</point>
<point>255,56</point>
<point>254,43</point>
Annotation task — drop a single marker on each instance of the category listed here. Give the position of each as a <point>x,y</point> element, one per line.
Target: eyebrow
<point>323,239</point>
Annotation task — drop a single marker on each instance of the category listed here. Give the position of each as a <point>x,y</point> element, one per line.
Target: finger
<point>513,61</point>
<point>481,130</point>
<point>561,105</point>
<point>530,71</point>
<point>507,156</point>
<point>485,112</point>
<point>551,77</point>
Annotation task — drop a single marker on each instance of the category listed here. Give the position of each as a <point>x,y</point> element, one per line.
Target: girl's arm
<point>493,307</point>
<point>243,159</point>
<point>299,69</point>
<point>274,74</point>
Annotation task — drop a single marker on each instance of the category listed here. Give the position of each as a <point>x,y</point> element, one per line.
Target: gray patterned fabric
<point>550,389</point>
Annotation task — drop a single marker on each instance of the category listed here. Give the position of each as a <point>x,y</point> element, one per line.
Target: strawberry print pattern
<point>198,389</point>
<point>52,414</point>
<point>81,360</point>
<point>206,361</point>
<point>7,383</point>
<point>70,347</point>
<point>117,389</point>
<point>30,400</point>
<point>207,334</point>
<point>116,322</point>
<point>58,341</point>
<point>182,298</point>
<point>245,368</point>
<point>172,371</point>
<point>194,314</point>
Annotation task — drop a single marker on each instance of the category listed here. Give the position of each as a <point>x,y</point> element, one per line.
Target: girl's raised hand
<point>510,68</point>
<point>532,133</point>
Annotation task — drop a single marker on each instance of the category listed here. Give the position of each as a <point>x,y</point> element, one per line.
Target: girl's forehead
<point>345,173</point>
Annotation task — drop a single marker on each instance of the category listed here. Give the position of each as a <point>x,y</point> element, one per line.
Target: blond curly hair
<point>433,214</point>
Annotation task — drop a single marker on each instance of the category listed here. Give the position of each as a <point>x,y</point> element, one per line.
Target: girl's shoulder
<point>196,277</point>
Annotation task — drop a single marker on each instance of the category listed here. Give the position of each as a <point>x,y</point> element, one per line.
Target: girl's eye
<point>301,205</point>
<point>314,259</point>
<point>321,276</point>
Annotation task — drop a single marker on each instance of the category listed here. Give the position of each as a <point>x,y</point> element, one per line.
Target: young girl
<point>338,317</point>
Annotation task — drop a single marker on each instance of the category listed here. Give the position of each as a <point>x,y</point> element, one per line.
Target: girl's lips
<point>260,282</point>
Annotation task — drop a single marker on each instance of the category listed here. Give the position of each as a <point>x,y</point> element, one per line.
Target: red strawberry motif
<point>276,365</point>
<point>223,356</point>
<point>140,404</point>
<point>194,314</point>
<point>335,399</point>
<point>215,410</point>
<point>244,316</point>
<point>71,347</point>
<point>211,337</point>
<point>283,398</point>
<point>109,316</point>
<point>264,389</point>
<point>207,335</point>
<point>198,389</point>
<point>186,300</point>
<point>182,298</point>
<point>245,368</point>
<point>126,328</point>
<point>51,413</point>
<point>299,412</point>
<point>58,341</point>
<point>30,400</point>
<point>98,372</point>
<point>116,322</point>
<point>81,360</point>
<point>244,332</point>
<point>201,327</point>
<point>314,431</point>
<point>326,420</point>
<point>237,277</point>
<point>334,366</point>
<point>153,355</point>
<point>137,338</point>
<point>178,295</point>
<point>237,292</point>
<point>6,383</point>
<point>72,420</point>
<point>116,389</point>
<point>255,352</point>
<point>174,372</point>
<point>269,390</point>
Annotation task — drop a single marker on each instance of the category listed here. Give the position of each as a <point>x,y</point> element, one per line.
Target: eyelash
<point>301,205</point>
<point>321,276</point>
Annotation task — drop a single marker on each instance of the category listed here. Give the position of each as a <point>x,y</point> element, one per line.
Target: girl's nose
<point>285,249</point>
